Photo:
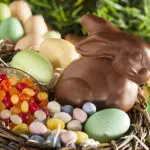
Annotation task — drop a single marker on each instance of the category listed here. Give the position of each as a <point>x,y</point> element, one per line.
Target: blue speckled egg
<point>67,108</point>
<point>51,138</point>
<point>89,108</point>
<point>37,138</point>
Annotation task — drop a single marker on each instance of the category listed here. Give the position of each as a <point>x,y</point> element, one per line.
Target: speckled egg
<point>89,108</point>
<point>74,125</point>
<point>54,107</point>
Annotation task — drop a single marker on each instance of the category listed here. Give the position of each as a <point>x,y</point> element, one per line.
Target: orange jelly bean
<point>28,91</point>
<point>23,97</point>
<point>13,90</point>
<point>43,104</point>
<point>14,99</point>
<point>6,85</point>
<point>31,117</point>
<point>42,96</point>
<point>2,106</point>
<point>13,80</point>
<point>28,81</point>
<point>2,95</point>
<point>15,110</point>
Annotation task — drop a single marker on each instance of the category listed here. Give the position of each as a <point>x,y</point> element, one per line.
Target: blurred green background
<point>64,15</point>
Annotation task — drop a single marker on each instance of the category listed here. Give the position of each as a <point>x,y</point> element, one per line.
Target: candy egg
<point>82,137</point>
<point>67,108</point>
<point>5,114</point>
<point>40,115</point>
<point>21,129</point>
<point>62,116</point>
<point>107,125</point>
<point>54,141</point>
<point>79,114</point>
<point>37,128</point>
<point>69,137</point>
<point>37,138</point>
<point>54,107</point>
<point>74,125</point>
<point>89,108</point>
<point>16,119</point>
<point>54,123</point>
<point>52,34</point>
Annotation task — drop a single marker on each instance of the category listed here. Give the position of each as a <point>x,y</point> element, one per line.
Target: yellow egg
<point>81,137</point>
<point>21,129</point>
<point>54,123</point>
<point>59,52</point>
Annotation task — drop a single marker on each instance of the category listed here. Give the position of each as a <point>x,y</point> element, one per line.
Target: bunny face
<point>130,55</point>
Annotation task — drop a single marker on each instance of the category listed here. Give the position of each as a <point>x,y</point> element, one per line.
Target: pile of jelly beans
<point>26,111</point>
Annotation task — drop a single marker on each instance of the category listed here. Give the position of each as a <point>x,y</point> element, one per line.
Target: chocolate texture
<point>112,65</point>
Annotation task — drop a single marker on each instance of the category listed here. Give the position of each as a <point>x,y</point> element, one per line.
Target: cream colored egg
<point>20,10</point>
<point>29,41</point>
<point>35,24</point>
<point>59,52</point>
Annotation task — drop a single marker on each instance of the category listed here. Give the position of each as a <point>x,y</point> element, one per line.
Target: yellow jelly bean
<point>42,96</point>
<point>53,123</point>
<point>28,91</point>
<point>21,129</point>
<point>24,106</point>
<point>81,137</point>
<point>13,80</point>
<point>14,99</point>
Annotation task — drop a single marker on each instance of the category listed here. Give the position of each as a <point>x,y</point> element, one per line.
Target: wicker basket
<point>135,139</point>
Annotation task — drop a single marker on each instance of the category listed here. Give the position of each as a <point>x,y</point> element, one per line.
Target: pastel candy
<point>16,119</point>
<point>5,114</point>
<point>54,123</point>
<point>81,137</point>
<point>74,125</point>
<point>63,116</point>
<point>37,128</point>
<point>40,115</point>
<point>79,114</point>
<point>69,137</point>
<point>54,141</point>
<point>107,125</point>
<point>54,107</point>
<point>37,138</point>
<point>67,108</point>
<point>89,108</point>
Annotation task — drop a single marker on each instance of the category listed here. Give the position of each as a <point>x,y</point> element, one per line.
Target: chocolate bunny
<point>112,65</point>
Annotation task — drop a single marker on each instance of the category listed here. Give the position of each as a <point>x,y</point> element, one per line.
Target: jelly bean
<point>31,118</point>
<point>12,125</point>
<point>74,125</point>
<point>40,115</point>
<point>23,97</point>
<point>42,96</point>
<point>28,91</point>
<point>21,86</point>
<point>7,101</point>
<point>3,77</point>
<point>16,119</point>
<point>2,106</point>
<point>54,106</point>
<point>5,85</point>
<point>54,141</point>
<point>37,128</point>
<point>37,138</point>
<point>2,95</point>
<point>28,81</point>
<point>24,106</point>
<point>67,108</point>
<point>43,104</point>
<point>89,108</point>
<point>62,116</point>
<point>13,80</point>
<point>36,100</point>
<point>69,137</point>
<point>54,123</point>
<point>21,129</point>
<point>82,137</point>
<point>15,110</point>
<point>5,114</point>
<point>14,99</point>
<point>24,117</point>
<point>80,115</point>
<point>13,91</point>
<point>33,107</point>
<point>46,111</point>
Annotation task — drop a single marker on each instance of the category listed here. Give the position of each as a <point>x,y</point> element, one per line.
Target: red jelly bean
<point>36,100</point>
<point>46,111</point>
<point>24,117</point>
<point>3,77</point>
<point>7,101</point>
<point>21,86</point>
<point>33,107</point>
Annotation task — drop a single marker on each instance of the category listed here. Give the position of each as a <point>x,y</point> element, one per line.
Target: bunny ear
<point>94,24</point>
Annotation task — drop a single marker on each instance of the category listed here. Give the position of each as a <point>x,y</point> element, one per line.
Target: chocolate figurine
<point>112,65</point>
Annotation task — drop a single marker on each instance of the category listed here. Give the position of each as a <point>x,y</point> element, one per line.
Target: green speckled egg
<point>33,63</point>
<point>107,125</point>
<point>12,29</point>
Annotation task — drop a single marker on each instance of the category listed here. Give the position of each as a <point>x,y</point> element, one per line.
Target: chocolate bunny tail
<point>94,24</point>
